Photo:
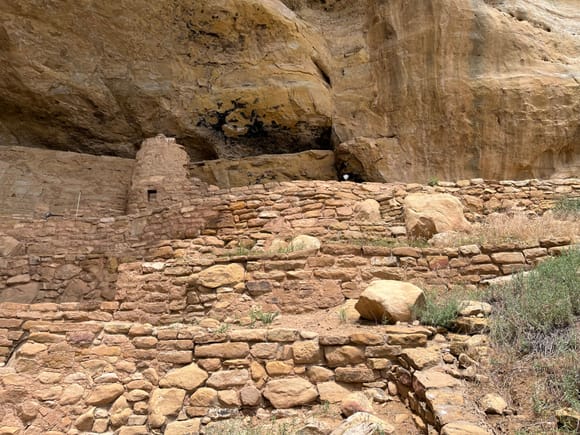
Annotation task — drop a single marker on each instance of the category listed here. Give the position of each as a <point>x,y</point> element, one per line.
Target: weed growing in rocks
<point>256,314</point>
<point>342,315</point>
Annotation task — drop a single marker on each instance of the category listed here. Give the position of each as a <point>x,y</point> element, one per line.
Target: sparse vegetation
<point>433,181</point>
<point>256,314</point>
<point>567,207</point>
<point>223,328</point>
<point>519,227</point>
<point>239,426</point>
<point>537,318</point>
<point>439,310</point>
<point>342,315</point>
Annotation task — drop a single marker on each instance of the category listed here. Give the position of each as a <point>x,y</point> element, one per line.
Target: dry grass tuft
<point>519,227</point>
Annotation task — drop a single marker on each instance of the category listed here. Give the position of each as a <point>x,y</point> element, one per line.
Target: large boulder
<point>390,301</point>
<point>430,214</point>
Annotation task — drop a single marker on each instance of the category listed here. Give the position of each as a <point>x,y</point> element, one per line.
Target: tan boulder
<point>429,214</point>
<point>188,378</point>
<point>391,301</point>
<point>221,275</point>
<point>356,402</point>
<point>368,210</point>
<point>332,392</point>
<point>493,404</point>
<point>290,392</point>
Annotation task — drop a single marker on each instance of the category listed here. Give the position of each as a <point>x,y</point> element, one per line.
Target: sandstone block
<point>250,396</point>
<point>306,352</point>
<point>508,258</point>
<point>354,375</point>
<point>390,300</point>
<point>105,394</point>
<point>318,374</point>
<point>344,355</point>
<point>204,397</point>
<point>222,350</point>
<point>290,392</point>
<point>166,401</point>
<point>332,392</point>
<point>187,378</point>
<point>191,426</point>
<point>356,402</point>
<point>493,404</point>
<point>304,243</point>
<point>228,379</point>
<point>279,368</point>
<point>221,275</point>
<point>229,398</point>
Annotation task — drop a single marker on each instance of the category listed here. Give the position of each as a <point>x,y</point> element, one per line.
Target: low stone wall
<point>166,284</point>
<point>262,212</point>
<point>187,285</point>
<point>327,208</point>
<point>70,369</point>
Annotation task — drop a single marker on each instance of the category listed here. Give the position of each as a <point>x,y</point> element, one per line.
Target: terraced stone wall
<point>73,368</point>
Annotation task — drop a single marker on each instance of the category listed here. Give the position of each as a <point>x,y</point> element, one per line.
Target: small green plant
<point>256,314</point>
<point>325,407</point>
<point>223,328</point>
<point>439,310</point>
<point>433,181</point>
<point>342,315</point>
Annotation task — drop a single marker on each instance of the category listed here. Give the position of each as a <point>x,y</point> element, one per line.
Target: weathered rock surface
<point>411,93</point>
<point>427,215</point>
<point>390,300</point>
<point>363,423</point>
<point>290,392</point>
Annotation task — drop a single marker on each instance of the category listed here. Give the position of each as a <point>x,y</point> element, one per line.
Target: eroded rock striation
<point>412,89</point>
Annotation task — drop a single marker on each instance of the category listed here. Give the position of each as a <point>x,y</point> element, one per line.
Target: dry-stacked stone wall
<point>99,375</point>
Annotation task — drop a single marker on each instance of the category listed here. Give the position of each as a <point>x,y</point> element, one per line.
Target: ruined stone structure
<point>138,323</point>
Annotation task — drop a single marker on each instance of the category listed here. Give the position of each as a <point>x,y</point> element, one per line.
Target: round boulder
<point>430,214</point>
<point>390,301</point>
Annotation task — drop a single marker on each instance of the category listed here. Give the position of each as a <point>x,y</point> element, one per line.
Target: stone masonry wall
<point>36,181</point>
<point>98,375</point>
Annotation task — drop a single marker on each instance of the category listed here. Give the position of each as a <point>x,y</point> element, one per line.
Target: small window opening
<point>151,195</point>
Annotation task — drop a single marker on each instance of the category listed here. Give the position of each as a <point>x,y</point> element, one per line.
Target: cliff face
<point>414,89</point>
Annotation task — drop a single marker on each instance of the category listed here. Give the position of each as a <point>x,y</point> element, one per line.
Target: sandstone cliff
<point>414,89</point>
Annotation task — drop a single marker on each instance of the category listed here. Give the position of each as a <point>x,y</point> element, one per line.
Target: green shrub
<point>533,312</point>
<point>567,207</point>
<point>439,310</point>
